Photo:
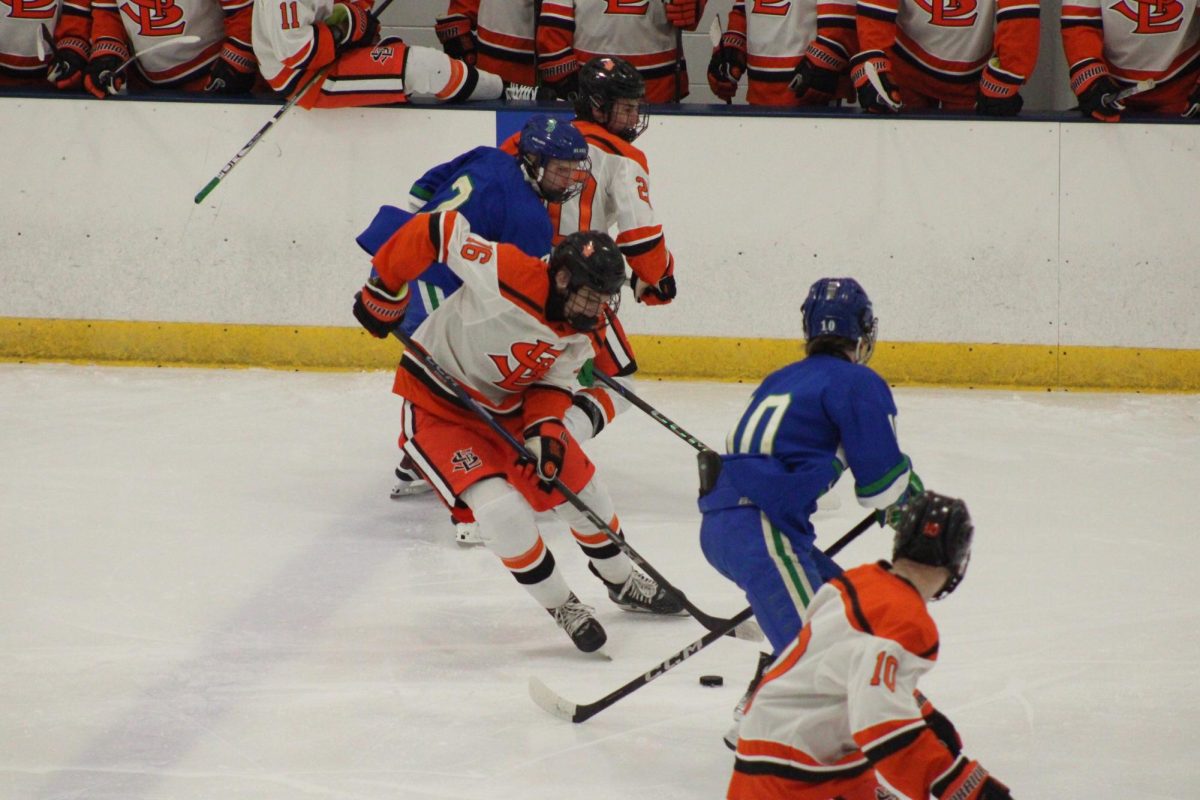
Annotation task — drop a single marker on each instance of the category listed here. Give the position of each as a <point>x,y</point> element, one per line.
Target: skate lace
<point>572,615</point>
<point>520,91</point>
<point>639,586</point>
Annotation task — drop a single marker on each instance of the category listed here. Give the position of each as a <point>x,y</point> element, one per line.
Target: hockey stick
<point>876,84</point>
<point>654,413</point>
<point>286,107</point>
<point>563,708</point>
<point>745,630</point>
<point>174,40</point>
<point>1116,100</point>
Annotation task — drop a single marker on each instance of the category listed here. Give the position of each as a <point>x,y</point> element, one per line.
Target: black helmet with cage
<point>587,272</point>
<point>603,81</point>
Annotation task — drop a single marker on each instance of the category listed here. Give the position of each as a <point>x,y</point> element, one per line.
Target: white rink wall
<point>1029,232</point>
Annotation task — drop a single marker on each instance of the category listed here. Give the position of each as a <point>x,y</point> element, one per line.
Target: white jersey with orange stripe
<point>284,38</point>
<point>617,200</point>
<point>1139,40</point>
<point>840,699</point>
<point>144,27</point>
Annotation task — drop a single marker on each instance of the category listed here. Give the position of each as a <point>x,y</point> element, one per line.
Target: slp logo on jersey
<point>465,460</point>
<point>33,9</point>
<point>533,361</point>
<point>950,13</point>
<point>155,17</point>
<point>627,7</point>
<point>1156,17</point>
<point>775,8</point>
<point>382,53</point>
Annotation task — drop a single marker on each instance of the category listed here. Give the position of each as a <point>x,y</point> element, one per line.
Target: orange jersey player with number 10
<point>514,338</point>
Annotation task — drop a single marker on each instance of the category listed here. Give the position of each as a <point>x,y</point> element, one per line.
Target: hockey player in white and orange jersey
<point>642,32</point>
<point>838,714</point>
<point>514,336</point>
<point>794,52</point>
<point>1111,47</point>
<point>45,40</point>
<point>220,61</point>
<point>609,112</point>
<point>959,56</point>
<point>297,39</point>
<point>494,35</point>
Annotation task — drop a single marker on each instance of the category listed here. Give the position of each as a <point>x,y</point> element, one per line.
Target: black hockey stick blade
<point>563,708</point>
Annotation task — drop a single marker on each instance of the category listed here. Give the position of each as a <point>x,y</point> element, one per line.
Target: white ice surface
<point>205,592</point>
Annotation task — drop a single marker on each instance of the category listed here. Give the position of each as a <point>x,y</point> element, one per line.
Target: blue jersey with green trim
<point>806,424</point>
<point>489,188</point>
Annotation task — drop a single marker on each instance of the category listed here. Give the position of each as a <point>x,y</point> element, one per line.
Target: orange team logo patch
<point>31,9</point>
<point>532,362</point>
<point>588,250</point>
<point>950,13</point>
<point>155,17</point>
<point>931,529</point>
<point>465,460</point>
<point>1164,16</point>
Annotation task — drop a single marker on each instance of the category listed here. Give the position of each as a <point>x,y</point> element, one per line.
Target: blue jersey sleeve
<point>862,408</point>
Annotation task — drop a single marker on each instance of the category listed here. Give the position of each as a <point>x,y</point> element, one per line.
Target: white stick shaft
<point>877,85</point>
<point>174,40</point>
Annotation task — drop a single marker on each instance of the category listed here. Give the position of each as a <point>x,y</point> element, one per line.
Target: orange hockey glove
<point>454,32</point>
<point>998,94</point>
<point>379,310</point>
<point>351,27</point>
<point>684,13</point>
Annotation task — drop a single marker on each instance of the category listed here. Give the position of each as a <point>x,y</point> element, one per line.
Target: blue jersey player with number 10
<point>804,426</point>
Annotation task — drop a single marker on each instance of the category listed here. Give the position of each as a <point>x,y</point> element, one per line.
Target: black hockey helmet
<point>936,530</point>
<point>602,81</point>
<point>595,272</point>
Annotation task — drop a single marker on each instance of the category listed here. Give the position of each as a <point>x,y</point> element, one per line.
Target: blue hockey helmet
<point>544,139</point>
<point>936,530</point>
<point>839,307</point>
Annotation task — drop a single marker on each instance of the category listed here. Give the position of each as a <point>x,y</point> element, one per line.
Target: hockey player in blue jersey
<point>804,426</point>
<point>503,197</point>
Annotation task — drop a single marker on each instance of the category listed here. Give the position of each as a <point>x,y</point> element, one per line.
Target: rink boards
<point>1035,253</point>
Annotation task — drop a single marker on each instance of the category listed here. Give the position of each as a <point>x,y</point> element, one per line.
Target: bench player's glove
<point>869,97</point>
<point>234,71</point>
<point>379,310</point>
<point>1099,100</point>
<point>351,27</point>
<point>967,780</point>
<point>684,13</point>
<point>1193,109</point>
<point>727,64</point>
<point>454,32</point>
<point>998,94</point>
<point>547,441</point>
<point>100,76</point>
<point>813,85</point>
<point>69,61</point>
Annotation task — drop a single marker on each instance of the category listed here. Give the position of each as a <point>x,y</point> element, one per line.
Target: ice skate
<point>576,619</point>
<point>408,480</point>
<point>640,593</point>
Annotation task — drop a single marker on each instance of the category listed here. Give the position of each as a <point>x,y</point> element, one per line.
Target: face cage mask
<point>575,308</point>
<point>579,179</point>
<point>865,346</point>
<point>954,580</point>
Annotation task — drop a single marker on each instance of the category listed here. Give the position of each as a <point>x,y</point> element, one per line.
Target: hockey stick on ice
<point>563,708</point>
<point>745,630</point>
<point>286,107</point>
<point>654,413</point>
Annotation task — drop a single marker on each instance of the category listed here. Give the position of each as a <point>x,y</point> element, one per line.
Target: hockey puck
<point>712,680</point>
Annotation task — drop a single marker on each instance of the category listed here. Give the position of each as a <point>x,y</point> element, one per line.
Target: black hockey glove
<point>969,781</point>
<point>1193,109</point>
<point>234,71</point>
<point>66,70</point>
<point>379,311</point>
<point>727,65</point>
<point>547,441</point>
<point>1099,100</point>
<point>351,27</point>
<point>813,85</point>
<point>100,76</point>
<point>653,294</point>
<point>869,98</point>
<point>454,32</point>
